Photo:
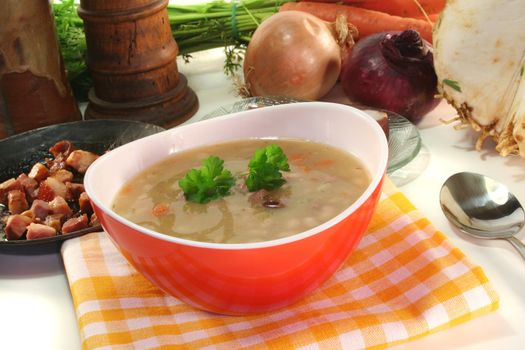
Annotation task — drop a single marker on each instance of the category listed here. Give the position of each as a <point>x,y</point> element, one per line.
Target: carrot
<point>296,158</point>
<point>432,17</point>
<point>324,163</point>
<point>160,209</point>
<point>304,168</point>
<point>126,189</point>
<point>402,8</point>
<point>367,21</point>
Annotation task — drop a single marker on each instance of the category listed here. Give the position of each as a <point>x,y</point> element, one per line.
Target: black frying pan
<point>20,152</point>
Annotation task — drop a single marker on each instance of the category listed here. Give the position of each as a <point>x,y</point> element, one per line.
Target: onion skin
<point>380,73</point>
<point>292,54</point>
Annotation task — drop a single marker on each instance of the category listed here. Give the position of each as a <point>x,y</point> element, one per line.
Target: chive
<point>453,84</point>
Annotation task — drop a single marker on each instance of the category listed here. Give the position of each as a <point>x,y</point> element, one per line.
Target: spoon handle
<point>516,243</point>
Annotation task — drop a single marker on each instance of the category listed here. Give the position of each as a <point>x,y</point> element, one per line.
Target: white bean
<point>267,223</point>
<point>326,212</point>
<point>323,187</point>
<point>286,234</point>
<point>310,221</point>
<point>293,223</point>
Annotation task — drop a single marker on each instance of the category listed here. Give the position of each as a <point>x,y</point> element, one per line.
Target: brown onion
<point>292,54</point>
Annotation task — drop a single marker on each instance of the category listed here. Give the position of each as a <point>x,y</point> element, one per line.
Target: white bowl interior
<point>338,125</point>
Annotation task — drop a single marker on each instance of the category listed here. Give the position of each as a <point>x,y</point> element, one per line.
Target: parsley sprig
<point>265,168</point>
<point>211,181</point>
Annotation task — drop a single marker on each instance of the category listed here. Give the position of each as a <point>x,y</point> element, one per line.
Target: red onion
<point>392,71</point>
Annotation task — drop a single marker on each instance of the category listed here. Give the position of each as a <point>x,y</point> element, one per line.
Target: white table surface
<point>36,310</point>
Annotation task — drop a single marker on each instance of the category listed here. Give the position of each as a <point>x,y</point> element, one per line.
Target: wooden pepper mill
<point>34,90</point>
<point>131,54</point>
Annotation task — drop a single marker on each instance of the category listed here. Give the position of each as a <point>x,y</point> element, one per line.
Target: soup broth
<point>321,183</point>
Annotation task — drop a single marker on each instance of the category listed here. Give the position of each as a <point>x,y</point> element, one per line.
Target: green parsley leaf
<point>453,84</point>
<point>265,168</point>
<point>211,181</point>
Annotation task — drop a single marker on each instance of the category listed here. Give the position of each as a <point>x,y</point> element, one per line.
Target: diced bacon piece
<point>75,224</point>
<point>10,184</point>
<point>50,188</point>
<point>59,206</point>
<point>39,172</point>
<point>54,165</point>
<point>29,184</point>
<point>263,198</point>
<point>63,175</point>
<point>258,197</point>
<point>35,231</point>
<point>16,226</point>
<point>61,147</point>
<point>40,209</point>
<point>93,221</point>
<point>32,195</point>
<point>81,160</point>
<point>28,213</point>
<point>74,190</point>
<point>85,204</point>
<point>54,221</point>
<point>7,186</point>
<point>17,202</point>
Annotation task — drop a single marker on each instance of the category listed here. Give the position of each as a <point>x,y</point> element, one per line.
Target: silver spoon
<point>483,208</point>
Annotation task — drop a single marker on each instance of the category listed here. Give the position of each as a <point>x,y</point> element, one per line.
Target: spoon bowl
<point>482,208</point>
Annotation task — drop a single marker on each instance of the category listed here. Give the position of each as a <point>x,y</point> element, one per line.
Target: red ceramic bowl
<point>251,277</point>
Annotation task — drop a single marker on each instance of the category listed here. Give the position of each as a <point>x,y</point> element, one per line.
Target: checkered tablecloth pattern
<point>404,281</point>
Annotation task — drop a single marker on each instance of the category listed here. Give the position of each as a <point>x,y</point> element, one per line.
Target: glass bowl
<point>404,141</point>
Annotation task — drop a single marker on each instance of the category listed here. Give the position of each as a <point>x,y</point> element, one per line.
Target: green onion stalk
<point>195,28</point>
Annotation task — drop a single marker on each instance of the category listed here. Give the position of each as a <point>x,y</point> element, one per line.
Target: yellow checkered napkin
<point>404,281</point>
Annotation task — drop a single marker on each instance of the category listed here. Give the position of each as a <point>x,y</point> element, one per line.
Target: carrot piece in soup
<point>324,163</point>
<point>161,209</point>
<point>296,158</point>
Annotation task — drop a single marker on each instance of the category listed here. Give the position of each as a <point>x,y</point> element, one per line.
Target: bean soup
<point>321,183</point>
